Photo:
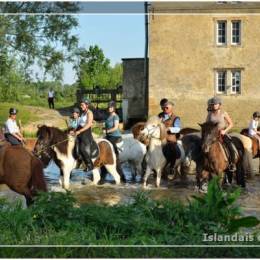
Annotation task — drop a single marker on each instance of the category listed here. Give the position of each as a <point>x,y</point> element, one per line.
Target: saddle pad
<point>94,150</point>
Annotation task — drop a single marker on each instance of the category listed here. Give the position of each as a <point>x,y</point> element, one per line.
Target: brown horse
<point>215,159</point>
<point>21,171</point>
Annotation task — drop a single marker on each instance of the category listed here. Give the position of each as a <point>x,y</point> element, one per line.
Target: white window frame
<point>217,81</point>
<point>231,32</point>
<point>217,32</point>
<point>234,85</point>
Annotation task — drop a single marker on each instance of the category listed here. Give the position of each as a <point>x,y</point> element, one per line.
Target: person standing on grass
<point>12,131</point>
<point>51,96</point>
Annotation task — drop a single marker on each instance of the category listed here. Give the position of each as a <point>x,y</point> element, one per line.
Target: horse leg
<point>112,170</point>
<point>138,169</point>
<point>158,177</point>
<point>96,176</point>
<point>146,175</point>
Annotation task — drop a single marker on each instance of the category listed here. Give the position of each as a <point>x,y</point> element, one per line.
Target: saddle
<point>226,151</point>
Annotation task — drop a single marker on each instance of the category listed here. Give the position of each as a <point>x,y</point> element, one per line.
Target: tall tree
<point>94,69</point>
<point>42,37</point>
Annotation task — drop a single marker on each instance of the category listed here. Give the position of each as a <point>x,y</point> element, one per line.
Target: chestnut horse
<point>53,143</point>
<point>215,160</point>
<point>21,171</point>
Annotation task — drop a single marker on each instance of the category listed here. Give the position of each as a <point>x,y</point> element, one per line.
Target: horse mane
<point>57,136</point>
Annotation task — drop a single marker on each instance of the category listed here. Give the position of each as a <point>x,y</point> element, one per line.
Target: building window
<point>236,82</point>
<point>221,32</point>
<point>236,32</point>
<point>221,81</point>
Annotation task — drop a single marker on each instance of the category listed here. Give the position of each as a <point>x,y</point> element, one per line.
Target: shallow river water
<point>111,194</point>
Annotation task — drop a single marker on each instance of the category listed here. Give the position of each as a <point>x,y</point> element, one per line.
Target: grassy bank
<point>56,219</point>
<point>24,113</point>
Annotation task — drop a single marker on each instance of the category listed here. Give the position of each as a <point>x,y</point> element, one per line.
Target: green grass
<point>24,113</point>
<point>56,219</point>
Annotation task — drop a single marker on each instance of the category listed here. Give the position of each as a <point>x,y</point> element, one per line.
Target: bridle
<point>151,131</point>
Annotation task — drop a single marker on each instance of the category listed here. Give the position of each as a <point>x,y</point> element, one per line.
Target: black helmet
<point>256,114</point>
<point>76,110</point>
<point>111,104</point>
<point>86,101</point>
<point>163,102</point>
<point>214,101</point>
<point>13,111</point>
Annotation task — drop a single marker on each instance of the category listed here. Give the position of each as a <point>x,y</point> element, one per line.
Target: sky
<point>119,36</point>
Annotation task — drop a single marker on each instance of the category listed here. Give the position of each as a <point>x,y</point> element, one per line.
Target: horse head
<point>42,146</point>
<point>209,135</point>
<point>154,128</point>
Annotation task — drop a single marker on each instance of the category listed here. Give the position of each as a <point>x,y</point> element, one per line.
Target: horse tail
<point>240,176</point>
<point>37,180</point>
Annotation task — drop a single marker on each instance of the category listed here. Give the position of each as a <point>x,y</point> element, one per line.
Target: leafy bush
<point>56,219</point>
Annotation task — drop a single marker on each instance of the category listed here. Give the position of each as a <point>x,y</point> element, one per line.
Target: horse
<point>21,171</point>
<point>53,143</point>
<point>215,159</point>
<point>155,158</point>
<point>191,143</point>
<point>132,151</point>
<point>253,144</point>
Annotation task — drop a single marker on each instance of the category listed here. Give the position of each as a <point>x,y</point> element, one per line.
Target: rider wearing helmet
<point>87,145</point>
<point>253,126</point>
<point>73,121</point>
<point>216,115</point>
<point>12,131</point>
<point>171,121</point>
<point>112,131</point>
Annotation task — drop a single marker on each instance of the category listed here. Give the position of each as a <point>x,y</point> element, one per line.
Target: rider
<point>12,131</point>
<point>173,125</point>
<point>113,133</point>
<point>73,121</point>
<point>252,130</point>
<point>171,121</point>
<point>216,115</point>
<point>84,134</point>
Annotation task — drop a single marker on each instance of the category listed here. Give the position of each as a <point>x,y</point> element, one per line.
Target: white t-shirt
<point>83,119</point>
<point>51,94</point>
<point>253,125</point>
<point>11,126</point>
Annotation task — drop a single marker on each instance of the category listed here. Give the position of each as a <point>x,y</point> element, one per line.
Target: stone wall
<point>134,107</point>
<point>183,58</point>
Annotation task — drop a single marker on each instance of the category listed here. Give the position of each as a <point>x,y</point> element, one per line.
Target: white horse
<point>132,151</point>
<point>155,130</point>
<point>53,143</point>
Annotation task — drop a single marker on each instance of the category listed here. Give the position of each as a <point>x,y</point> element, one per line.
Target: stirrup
<point>232,168</point>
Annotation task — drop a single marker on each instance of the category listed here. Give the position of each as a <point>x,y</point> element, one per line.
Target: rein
<point>151,131</point>
<point>51,146</point>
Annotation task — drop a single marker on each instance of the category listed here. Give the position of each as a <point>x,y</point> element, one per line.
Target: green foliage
<point>54,218</point>
<point>219,210</point>
<point>34,38</point>
<point>94,69</point>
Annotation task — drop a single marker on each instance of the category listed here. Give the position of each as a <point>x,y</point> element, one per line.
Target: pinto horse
<point>215,159</point>
<point>21,171</point>
<point>53,143</point>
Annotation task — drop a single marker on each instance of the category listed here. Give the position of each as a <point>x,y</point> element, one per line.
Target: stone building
<point>198,50</point>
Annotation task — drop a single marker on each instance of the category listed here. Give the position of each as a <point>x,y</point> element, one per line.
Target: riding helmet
<point>76,110</point>
<point>86,101</point>
<point>111,104</point>
<point>256,114</point>
<point>163,102</point>
<point>214,101</point>
<point>13,111</point>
